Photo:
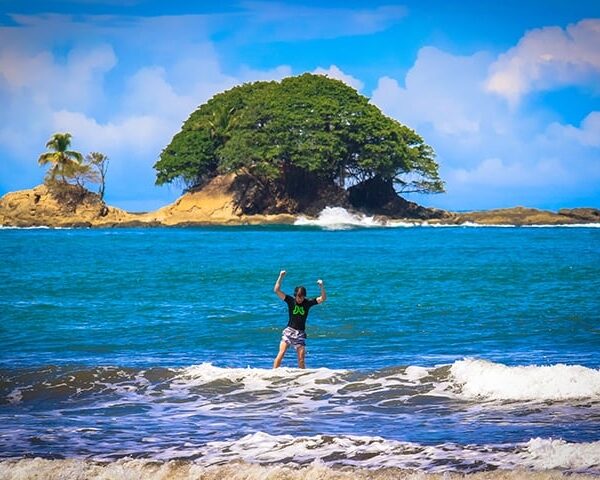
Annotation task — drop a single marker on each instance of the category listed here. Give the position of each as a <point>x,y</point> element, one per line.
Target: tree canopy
<point>308,123</point>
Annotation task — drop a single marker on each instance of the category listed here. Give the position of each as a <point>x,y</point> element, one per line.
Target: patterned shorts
<point>293,337</point>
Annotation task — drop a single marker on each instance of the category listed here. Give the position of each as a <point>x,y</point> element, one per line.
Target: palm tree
<point>64,162</point>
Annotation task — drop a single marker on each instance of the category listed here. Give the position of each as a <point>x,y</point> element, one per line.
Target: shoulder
<point>312,301</point>
<point>288,299</point>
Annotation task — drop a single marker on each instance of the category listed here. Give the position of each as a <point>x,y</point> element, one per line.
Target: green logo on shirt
<point>298,310</point>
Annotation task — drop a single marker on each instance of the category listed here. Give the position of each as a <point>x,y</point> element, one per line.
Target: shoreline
<point>183,469</point>
<point>216,206</point>
<point>125,226</point>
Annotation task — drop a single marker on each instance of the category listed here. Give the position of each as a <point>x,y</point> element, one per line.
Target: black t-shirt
<point>298,311</point>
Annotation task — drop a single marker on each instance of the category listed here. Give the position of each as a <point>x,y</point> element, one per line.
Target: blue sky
<point>507,93</point>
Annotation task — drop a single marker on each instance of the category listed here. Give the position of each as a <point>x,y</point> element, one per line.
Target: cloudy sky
<point>507,93</point>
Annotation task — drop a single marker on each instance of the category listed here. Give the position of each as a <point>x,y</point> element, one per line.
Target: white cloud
<point>548,58</point>
<point>140,135</point>
<point>47,81</point>
<point>435,92</point>
<point>148,92</point>
<point>334,72</point>
<point>490,155</point>
<point>588,134</point>
<point>496,173</point>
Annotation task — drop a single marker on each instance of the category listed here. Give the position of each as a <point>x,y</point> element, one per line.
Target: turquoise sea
<point>439,349</point>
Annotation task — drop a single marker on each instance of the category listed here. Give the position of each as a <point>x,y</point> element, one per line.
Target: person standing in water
<point>298,305</point>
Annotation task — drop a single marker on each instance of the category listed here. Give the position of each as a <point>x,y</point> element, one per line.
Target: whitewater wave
<point>336,218</point>
<point>261,455</point>
<point>377,452</point>
<point>481,379</point>
<point>468,379</point>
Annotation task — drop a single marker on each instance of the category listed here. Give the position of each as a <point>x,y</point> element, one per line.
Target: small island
<point>268,152</point>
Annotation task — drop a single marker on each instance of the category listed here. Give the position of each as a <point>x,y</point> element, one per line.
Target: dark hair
<point>300,289</point>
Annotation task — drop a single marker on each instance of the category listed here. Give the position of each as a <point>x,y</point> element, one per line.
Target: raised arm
<point>277,287</point>
<point>323,296</point>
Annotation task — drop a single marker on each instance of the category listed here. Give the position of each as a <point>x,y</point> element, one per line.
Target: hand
<point>320,282</point>
<point>282,273</point>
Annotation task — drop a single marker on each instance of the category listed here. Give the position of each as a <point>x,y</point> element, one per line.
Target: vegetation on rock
<point>294,142</point>
<point>65,163</point>
<point>70,166</point>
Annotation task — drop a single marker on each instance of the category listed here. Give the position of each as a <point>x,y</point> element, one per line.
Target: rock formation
<point>378,197</point>
<point>40,206</point>
<point>237,200</point>
<point>530,216</point>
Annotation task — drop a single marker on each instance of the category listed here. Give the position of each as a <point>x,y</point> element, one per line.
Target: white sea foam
<point>481,379</point>
<point>544,454</point>
<point>257,378</point>
<point>416,373</point>
<point>293,390</point>
<point>15,396</point>
<point>565,225</point>
<point>377,452</point>
<point>206,386</point>
<point>129,469</point>
<point>469,379</point>
<point>39,227</point>
<point>466,224</point>
<point>336,218</point>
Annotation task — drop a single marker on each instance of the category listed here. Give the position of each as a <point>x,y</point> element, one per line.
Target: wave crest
<point>482,379</point>
<point>468,379</point>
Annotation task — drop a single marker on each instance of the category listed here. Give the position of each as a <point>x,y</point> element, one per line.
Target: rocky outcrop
<point>215,204</point>
<point>530,216</point>
<point>218,202</point>
<point>40,206</point>
<point>377,196</point>
<point>581,215</point>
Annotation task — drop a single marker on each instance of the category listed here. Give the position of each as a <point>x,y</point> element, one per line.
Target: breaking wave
<point>468,379</point>
<point>481,379</point>
<point>326,457</point>
<point>336,218</point>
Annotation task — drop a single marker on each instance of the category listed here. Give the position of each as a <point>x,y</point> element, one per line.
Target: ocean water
<point>452,349</point>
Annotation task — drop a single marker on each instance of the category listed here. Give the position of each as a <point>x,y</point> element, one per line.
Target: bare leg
<point>301,352</point>
<point>282,348</point>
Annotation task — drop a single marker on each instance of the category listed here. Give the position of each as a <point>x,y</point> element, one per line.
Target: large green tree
<point>309,124</point>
